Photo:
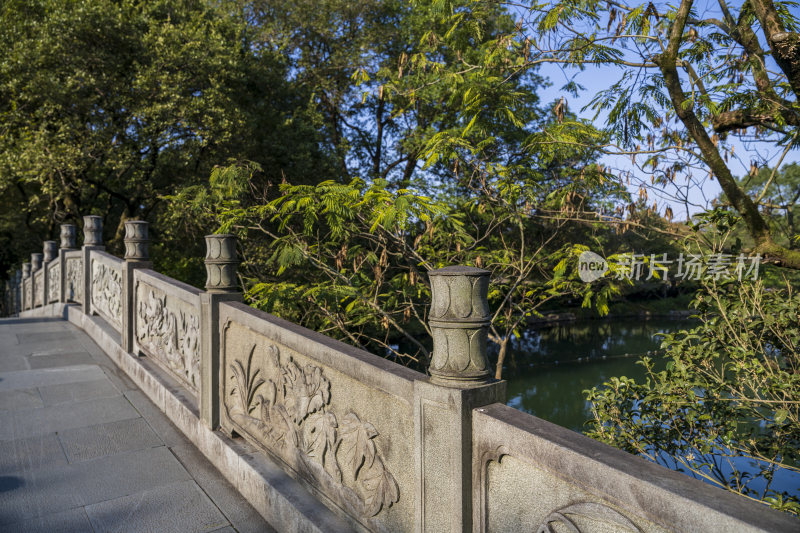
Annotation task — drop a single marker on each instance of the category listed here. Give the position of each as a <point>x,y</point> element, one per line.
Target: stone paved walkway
<point>83,450</point>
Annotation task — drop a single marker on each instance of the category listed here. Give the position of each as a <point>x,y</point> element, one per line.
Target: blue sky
<point>698,196</point>
<point>596,79</point>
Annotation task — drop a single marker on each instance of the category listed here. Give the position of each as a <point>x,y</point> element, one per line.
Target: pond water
<point>550,367</point>
<point>548,370</point>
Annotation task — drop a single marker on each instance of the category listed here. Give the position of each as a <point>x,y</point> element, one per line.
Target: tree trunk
<point>757,226</point>
<point>501,356</point>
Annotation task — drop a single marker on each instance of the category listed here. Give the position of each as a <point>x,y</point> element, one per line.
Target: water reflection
<point>549,368</point>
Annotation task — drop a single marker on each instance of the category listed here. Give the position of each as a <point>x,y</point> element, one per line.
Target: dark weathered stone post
<point>460,382</point>
<point>18,292</point>
<point>69,237</point>
<point>68,242</point>
<point>26,283</point>
<point>12,290</point>
<point>49,252</point>
<point>36,262</point>
<point>6,298</point>
<point>36,265</point>
<point>137,255</point>
<point>92,240</point>
<point>222,285</point>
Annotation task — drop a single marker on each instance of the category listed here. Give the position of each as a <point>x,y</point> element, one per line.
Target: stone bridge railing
<point>384,447</point>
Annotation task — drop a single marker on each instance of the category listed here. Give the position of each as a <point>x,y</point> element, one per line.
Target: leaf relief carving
<point>380,487</point>
<point>357,446</point>
<point>286,407</point>
<point>591,510</point>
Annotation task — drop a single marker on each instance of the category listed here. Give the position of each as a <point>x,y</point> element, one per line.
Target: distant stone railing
<point>386,448</point>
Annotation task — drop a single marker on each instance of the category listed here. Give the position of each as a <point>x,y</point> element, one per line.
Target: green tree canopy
<point>106,106</point>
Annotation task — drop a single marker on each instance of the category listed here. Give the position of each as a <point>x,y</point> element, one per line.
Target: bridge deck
<point>82,448</point>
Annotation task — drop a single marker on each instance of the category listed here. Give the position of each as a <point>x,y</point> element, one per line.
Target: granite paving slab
<point>28,379</point>
<point>176,507</point>
<point>24,455</point>
<point>78,392</point>
<point>83,450</point>
<point>7,339</point>
<point>232,504</point>
<point>20,399</point>
<point>29,422</point>
<point>29,348</point>
<point>158,421</point>
<point>86,443</point>
<point>58,359</point>
<point>55,489</point>
<point>41,336</point>
<point>12,363</point>
<point>71,521</point>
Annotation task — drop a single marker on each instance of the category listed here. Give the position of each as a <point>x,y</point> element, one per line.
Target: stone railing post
<point>68,242</point>
<point>18,292</point>
<point>460,382</point>
<point>137,255</point>
<point>49,252</point>
<point>26,274</point>
<point>6,298</point>
<point>222,285</point>
<point>92,240</point>
<point>36,265</point>
<point>12,291</point>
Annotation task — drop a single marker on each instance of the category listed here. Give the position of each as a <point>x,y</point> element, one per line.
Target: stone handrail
<point>382,446</point>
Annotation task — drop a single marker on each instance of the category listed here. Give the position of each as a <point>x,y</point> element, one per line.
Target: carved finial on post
<point>221,263</point>
<point>36,262</point>
<point>137,256</point>
<point>459,320</point>
<point>137,241</point>
<point>92,230</point>
<point>68,236</point>
<point>50,250</point>
<point>221,286</point>
<point>26,270</point>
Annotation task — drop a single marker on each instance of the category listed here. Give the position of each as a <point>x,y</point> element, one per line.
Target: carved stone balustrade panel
<point>53,282</point>
<point>351,441</point>
<point>531,475</point>
<point>107,291</point>
<point>38,288</point>
<point>167,329</point>
<point>74,279</point>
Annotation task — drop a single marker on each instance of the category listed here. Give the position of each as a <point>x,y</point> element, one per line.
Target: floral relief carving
<point>287,406</point>
<point>74,281</point>
<point>172,336</point>
<point>590,510</point>
<point>107,291</point>
<point>54,283</point>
